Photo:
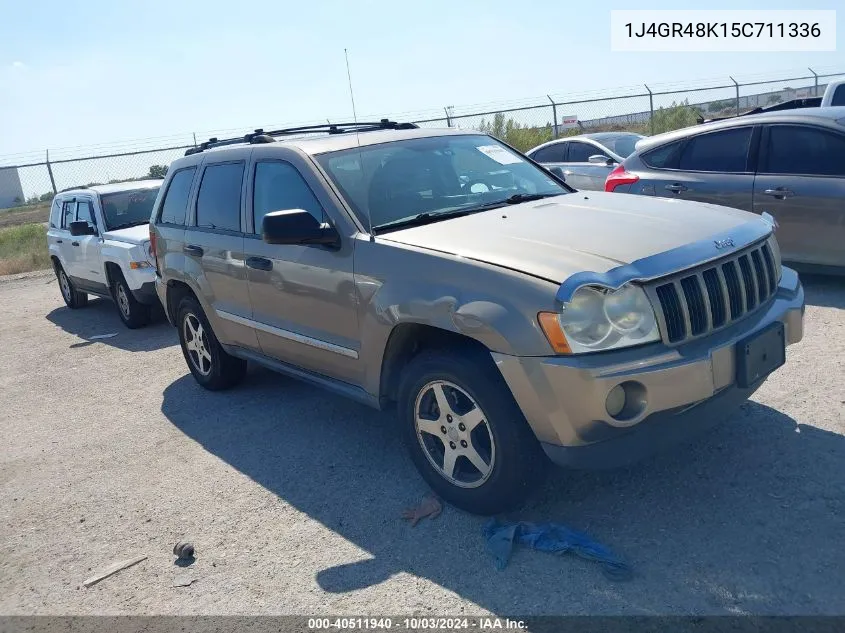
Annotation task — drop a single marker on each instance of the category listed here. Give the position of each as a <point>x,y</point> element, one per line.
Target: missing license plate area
<point>759,355</point>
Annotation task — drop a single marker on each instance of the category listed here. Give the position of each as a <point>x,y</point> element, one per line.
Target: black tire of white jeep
<point>73,298</point>
<point>133,313</point>
<point>496,461</point>
<point>210,365</point>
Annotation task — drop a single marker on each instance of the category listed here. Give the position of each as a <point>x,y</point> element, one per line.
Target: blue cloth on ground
<point>550,537</point>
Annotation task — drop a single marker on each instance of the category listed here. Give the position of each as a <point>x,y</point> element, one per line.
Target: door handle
<point>75,243</point>
<point>190,249</point>
<point>780,193</point>
<point>58,241</point>
<point>259,263</point>
<point>676,188</point>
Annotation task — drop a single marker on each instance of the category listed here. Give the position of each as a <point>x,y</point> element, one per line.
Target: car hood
<point>132,235</point>
<point>583,231</point>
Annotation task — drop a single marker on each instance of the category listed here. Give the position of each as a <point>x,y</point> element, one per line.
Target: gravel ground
<point>292,496</point>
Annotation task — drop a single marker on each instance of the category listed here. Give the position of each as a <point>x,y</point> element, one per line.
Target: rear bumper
<point>687,389</point>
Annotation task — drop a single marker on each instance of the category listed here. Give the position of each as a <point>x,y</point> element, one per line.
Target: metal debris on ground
<point>183,550</point>
<point>550,537</point>
<point>97,337</point>
<point>429,507</point>
<point>112,569</point>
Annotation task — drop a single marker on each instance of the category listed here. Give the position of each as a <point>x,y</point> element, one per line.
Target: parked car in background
<point>834,94</point>
<point>99,241</point>
<point>501,313</point>
<point>586,160</point>
<point>790,164</point>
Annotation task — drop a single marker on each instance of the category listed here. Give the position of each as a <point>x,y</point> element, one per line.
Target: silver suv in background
<point>789,164</point>
<point>501,313</point>
<point>587,159</point>
<point>98,239</point>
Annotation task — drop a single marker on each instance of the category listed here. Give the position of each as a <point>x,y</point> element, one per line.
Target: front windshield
<point>128,208</point>
<point>402,179</point>
<point>622,145</point>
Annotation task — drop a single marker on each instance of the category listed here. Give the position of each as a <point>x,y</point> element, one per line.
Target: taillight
<point>153,246</point>
<point>619,177</point>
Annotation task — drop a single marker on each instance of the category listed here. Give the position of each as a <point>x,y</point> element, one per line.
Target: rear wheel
<point>133,313</point>
<point>73,298</point>
<point>466,434</point>
<point>210,365</point>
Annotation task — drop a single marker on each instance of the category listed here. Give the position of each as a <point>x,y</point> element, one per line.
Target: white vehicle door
<point>85,265</point>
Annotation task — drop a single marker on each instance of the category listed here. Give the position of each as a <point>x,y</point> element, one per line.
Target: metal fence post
<point>448,118</point>
<point>816,77</point>
<point>50,172</point>
<point>737,95</point>
<point>554,116</point>
<point>650,110</point>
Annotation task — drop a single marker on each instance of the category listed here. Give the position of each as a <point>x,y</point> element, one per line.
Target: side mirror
<point>558,171</point>
<point>600,159</point>
<point>296,226</point>
<point>81,227</point>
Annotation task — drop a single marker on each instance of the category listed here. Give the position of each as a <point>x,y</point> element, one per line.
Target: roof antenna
<point>357,139</point>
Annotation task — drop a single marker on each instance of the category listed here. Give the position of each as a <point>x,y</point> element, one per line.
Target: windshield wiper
<point>424,218</point>
<point>127,225</point>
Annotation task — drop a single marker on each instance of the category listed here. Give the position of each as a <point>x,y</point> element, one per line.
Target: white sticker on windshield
<point>499,154</point>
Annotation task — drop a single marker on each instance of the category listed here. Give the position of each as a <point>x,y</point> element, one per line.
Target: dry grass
<point>23,248</point>
<point>25,215</point>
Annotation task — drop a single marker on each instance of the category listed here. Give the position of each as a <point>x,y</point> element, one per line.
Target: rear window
<point>219,198</point>
<point>724,151</point>
<point>128,208</point>
<point>663,157</point>
<point>838,98</point>
<point>622,145</point>
<point>174,207</point>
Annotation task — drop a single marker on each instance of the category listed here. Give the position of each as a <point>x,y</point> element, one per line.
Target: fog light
<point>615,401</point>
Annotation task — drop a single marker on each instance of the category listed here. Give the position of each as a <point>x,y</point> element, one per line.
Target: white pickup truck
<point>99,244</point>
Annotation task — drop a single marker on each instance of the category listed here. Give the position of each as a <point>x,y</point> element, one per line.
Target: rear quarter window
<point>663,157</point>
<point>56,214</point>
<point>174,206</point>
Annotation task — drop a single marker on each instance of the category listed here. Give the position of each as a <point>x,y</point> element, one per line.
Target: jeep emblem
<point>723,243</point>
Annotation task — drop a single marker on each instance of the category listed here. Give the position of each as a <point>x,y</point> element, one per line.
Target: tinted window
<point>805,150</point>
<point>128,208</point>
<point>219,199</point>
<point>724,151</point>
<point>175,204</point>
<point>280,187</point>
<point>838,98</point>
<point>581,152</point>
<point>83,212</point>
<point>663,157</point>
<point>551,154</point>
<point>68,214</point>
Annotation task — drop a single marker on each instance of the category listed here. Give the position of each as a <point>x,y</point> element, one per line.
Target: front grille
<point>701,300</point>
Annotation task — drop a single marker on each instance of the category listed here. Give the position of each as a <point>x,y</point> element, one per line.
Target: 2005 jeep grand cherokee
<point>503,313</point>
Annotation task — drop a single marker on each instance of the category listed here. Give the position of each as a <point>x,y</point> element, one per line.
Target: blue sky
<point>94,71</point>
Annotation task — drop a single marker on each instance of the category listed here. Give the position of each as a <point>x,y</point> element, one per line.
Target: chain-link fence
<point>33,182</point>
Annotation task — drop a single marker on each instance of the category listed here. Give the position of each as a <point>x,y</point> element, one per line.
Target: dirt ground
<point>293,497</point>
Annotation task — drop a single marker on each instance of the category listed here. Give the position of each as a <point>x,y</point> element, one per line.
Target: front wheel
<point>466,434</point>
<point>133,313</point>
<point>209,363</point>
<point>73,298</point>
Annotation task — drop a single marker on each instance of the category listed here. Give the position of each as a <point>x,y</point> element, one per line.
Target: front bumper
<point>146,294</point>
<point>688,388</point>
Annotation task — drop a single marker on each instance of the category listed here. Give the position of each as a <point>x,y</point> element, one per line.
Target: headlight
<point>598,319</point>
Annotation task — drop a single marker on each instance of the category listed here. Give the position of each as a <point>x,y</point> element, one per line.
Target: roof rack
<point>260,136</point>
<point>794,104</point>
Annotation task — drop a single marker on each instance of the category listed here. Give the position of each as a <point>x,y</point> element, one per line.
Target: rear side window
<point>174,207</point>
<point>795,149</point>
<point>56,214</point>
<point>838,98</point>
<point>551,154</point>
<point>725,151</point>
<point>663,157</point>
<point>219,199</point>
<point>68,214</point>
<point>280,187</point>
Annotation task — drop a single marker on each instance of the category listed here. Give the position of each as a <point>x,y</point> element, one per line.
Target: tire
<point>73,298</point>
<point>210,365</point>
<point>133,313</point>
<point>511,465</point>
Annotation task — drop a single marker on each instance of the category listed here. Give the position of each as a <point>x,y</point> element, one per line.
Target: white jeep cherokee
<point>99,244</point>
